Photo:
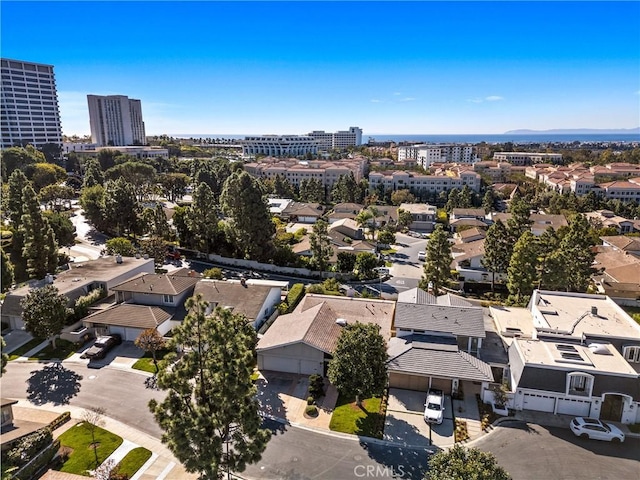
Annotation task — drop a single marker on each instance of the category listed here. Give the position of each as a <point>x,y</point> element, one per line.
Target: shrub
<point>311,410</point>
<point>283,308</point>
<point>294,296</point>
<point>315,288</point>
<point>316,386</point>
<point>214,273</point>
<point>81,307</point>
<point>310,400</point>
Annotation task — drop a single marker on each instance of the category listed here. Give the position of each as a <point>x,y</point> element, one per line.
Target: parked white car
<point>434,407</point>
<point>595,429</point>
<point>422,255</point>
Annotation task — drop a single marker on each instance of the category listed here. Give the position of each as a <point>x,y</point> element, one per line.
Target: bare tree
<point>92,419</point>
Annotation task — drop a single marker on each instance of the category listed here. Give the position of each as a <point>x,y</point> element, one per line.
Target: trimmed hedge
<point>62,419</point>
<point>294,296</point>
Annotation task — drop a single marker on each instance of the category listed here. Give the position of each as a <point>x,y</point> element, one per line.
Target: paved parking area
<point>123,355</point>
<point>405,421</point>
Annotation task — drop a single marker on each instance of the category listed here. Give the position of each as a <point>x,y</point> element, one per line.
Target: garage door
<point>541,403</point>
<point>127,334</point>
<point>408,382</point>
<point>579,408</point>
<point>443,384</point>
<point>277,364</point>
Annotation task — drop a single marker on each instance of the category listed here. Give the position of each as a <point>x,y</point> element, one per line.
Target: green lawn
<point>132,462</point>
<point>82,457</point>
<point>64,349</point>
<point>349,418</point>
<point>146,363</point>
<point>25,348</point>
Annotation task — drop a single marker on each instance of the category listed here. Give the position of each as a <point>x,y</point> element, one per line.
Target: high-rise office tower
<point>29,111</point>
<point>116,120</point>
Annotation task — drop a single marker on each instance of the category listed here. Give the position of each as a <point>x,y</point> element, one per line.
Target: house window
<point>168,299</point>
<point>632,354</point>
<point>579,384</point>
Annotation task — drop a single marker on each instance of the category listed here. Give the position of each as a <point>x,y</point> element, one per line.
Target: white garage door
<point>127,334</point>
<point>278,364</point>
<point>308,367</point>
<point>541,403</point>
<point>579,408</point>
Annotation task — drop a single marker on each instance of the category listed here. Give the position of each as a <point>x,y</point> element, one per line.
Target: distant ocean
<point>469,138</point>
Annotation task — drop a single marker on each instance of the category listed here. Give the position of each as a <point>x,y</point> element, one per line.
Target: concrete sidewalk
<point>163,466</point>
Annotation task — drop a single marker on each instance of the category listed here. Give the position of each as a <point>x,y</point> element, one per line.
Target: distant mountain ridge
<point>573,131</point>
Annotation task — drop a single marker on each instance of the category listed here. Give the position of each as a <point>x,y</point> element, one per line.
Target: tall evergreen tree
<point>320,246</point>
<point>44,311</point>
<point>92,202</point>
<point>210,414</point>
<point>551,269</point>
<point>522,271</point>
<point>576,247</point>
<point>489,200</point>
<point>121,207</point>
<point>359,364</point>
<point>40,249</point>
<point>497,251</point>
<point>251,224</point>
<point>202,219</point>
<point>437,265</point>
<point>7,271</point>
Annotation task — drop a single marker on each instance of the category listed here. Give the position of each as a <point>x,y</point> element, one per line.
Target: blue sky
<point>293,67</point>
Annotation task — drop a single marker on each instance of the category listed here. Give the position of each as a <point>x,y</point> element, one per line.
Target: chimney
<point>594,311</point>
<point>118,258</point>
<point>243,282</point>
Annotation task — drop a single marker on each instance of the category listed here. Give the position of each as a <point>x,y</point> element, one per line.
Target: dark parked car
<point>102,346</point>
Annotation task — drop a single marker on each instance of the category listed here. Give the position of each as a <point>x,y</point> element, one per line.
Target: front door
<point>612,407</point>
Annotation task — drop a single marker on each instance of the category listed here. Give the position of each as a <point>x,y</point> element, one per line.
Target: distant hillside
<point>574,131</point>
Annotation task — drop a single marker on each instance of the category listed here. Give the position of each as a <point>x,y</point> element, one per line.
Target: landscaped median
<point>64,349</point>
<point>146,362</point>
<point>20,351</point>
<point>366,420</point>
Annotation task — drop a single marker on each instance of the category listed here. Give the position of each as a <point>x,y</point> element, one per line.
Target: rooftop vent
<point>594,311</point>
<point>341,321</point>
<point>599,348</point>
<point>118,258</point>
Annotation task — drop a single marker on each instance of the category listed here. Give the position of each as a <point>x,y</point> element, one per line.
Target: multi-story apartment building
<point>140,152</point>
<point>527,158</point>
<point>338,140</point>
<point>279,145</point>
<point>29,111</point>
<point>296,171</point>
<point>415,182</point>
<point>426,154</point>
<point>116,120</point>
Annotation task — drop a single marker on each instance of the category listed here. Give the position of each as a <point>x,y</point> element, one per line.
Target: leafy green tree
<point>150,341</point>
<point>404,218</point>
<point>173,185</point>
<point>7,271</point>
<point>358,366</point>
<point>156,248</point>
<point>92,202</point>
<point>63,229</point>
<point>43,174</point>
<point>210,415</point>
<point>202,219</point>
<point>550,265</point>
<point>156,222</point>
<point>437,264</point>
<point>120,246</point>
<point>18,158</point>
<point>402,196</point>
<point>107,158</point>
<point>520,221</point>
<point>44,312</point>
<point>320,246</point>
<point>387,236</point>
<point>17,184</point>
<point>121,207</point>
<point>489,200</point>
<point>367,219</point>
<point>461,463</point>
<point>465,200</point>
<point>92,173</point>
<point>250,220</point>
<point>497,251</point>
<point>311,190</point>
<point>54,196</point>
<point>522,271</point>
<point>40,249</point>
<point>346,262</point>
<point>365,265</point>
<point>453,200</point>
<point>140,176</point>
<point>282,187</point>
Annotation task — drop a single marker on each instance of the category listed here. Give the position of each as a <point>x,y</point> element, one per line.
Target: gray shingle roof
<point>424,355</point>
<point>466,321</point>
<point>161,284</point>
<point>130,315</point>
<point>245,300</point>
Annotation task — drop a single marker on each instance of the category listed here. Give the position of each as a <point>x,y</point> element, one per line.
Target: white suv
<point>434,407</point>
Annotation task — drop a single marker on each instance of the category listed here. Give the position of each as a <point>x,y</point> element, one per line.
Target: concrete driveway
<point>405,420</point>
<point>282,395</point>
<point>123,355</point>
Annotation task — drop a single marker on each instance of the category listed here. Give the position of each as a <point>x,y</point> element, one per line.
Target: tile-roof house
<point>148,301</point>
<point>255,302</point>
<point>298,212</point>
<point>77,281</point>
<point>437,344</point>
<point>303,341</point>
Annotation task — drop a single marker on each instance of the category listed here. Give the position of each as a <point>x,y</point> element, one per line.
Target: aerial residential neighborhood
<point>305,288</point>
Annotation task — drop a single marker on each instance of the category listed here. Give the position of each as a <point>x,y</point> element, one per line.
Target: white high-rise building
<point>427,154</point>
<point>116,120</point>
<point>337,140</point>
<point>29,111</point>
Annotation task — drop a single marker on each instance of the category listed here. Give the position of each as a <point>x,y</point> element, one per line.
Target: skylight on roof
<point>566,348</point>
